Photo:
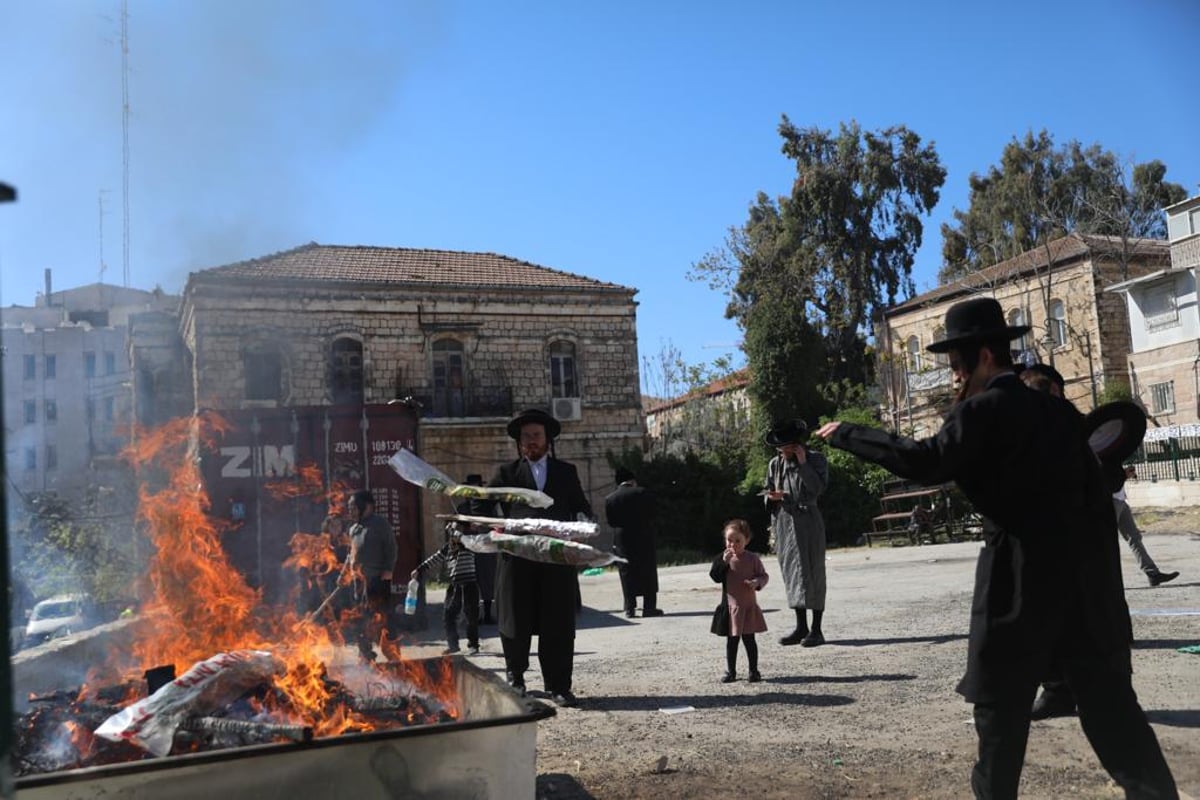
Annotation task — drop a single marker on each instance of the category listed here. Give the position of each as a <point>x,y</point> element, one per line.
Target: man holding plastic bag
<point>536,597</point>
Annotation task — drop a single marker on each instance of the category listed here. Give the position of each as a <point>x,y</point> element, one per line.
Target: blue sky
<point>617,140</point>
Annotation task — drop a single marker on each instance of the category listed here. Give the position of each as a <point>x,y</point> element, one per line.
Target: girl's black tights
<point>731,648</point>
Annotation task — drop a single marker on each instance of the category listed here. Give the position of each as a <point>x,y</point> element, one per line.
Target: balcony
<point>473,401</point>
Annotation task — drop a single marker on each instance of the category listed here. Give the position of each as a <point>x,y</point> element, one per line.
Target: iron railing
<point>1175,458</point>
<point>472,401</point>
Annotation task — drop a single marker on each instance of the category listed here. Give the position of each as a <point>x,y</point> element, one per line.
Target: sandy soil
<point>871,714</point>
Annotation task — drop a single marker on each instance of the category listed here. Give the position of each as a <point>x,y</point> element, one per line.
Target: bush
<point>852,497</point>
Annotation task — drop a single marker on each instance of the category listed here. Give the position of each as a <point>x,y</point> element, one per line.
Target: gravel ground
<point>873,713</point>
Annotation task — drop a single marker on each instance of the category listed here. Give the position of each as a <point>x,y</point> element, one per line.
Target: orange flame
<point>200,604</point>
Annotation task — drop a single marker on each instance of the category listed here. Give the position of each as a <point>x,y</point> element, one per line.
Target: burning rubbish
<point>255,672</point>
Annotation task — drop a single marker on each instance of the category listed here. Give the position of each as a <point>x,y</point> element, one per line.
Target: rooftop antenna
<point>125,141</point>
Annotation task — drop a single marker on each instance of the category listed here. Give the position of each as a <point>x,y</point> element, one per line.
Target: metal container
<point>491,752</point>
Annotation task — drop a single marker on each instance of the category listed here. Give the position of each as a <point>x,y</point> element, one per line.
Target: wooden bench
<point>917,519</point>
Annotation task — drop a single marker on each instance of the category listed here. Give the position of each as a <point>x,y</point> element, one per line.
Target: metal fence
<point>1169,459</point>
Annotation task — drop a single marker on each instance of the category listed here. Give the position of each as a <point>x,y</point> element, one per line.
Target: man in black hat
<point>630,511</point>
<point>373,552</point>
<point>1048,584</point>
<point>796,477</point>
<point>534,597</point>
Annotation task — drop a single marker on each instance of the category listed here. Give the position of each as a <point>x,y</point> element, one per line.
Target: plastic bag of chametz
<point>545,549</point>
<point>208,686</point>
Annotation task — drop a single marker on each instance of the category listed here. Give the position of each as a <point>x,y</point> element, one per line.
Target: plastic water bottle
<point>410,599</point>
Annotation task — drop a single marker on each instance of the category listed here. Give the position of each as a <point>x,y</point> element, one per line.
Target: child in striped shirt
<point>462,595</point>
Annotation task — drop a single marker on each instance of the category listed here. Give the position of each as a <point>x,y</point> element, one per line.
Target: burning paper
<point>151,723</point>
<point>574,531</point>
<point>535,547</point>
<point>414,470</point>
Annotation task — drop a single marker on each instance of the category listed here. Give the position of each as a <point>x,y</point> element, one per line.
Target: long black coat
<point>532,597</point>
<point>630,513</point>
<point>1048,580</point>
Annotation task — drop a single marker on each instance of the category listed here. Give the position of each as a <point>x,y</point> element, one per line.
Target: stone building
<point>472,337</point>
<point>66,384</point>
<point>1058,289</point>
<point>722,408</point>
<point>1164,326</point>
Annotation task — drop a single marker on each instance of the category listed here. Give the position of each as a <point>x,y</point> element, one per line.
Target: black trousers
<point>555,656</point>
<point>373,601</point>
<point>464,598</point>
<point>1112,720</point>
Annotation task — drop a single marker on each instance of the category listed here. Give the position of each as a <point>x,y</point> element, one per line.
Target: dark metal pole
<point>7,194</point>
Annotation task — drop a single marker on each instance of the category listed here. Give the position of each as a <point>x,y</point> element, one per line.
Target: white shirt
<point>539,472</point>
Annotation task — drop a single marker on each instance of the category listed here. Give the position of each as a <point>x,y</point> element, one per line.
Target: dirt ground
<point>873,713</point>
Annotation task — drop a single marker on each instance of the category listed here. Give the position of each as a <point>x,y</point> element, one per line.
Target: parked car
<point>53,618</point>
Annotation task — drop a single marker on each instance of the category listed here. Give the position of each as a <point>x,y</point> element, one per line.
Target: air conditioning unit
<point>565,408</point>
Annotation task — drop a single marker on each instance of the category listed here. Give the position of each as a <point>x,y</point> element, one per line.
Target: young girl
<point>743,574</point>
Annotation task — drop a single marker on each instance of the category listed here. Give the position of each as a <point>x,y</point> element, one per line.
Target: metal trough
<point>489,753</point>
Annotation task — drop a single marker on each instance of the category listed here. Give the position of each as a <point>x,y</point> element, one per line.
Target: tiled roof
<point>738,379</point>
<point>400,266</point>
<point>1062,251</point>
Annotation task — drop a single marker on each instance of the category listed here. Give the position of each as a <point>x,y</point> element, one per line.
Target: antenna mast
<point>125,141</point>
<point>103,266</point>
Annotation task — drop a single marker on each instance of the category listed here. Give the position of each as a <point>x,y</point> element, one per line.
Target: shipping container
<point>271,473</point>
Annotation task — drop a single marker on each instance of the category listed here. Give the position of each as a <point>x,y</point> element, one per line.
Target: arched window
<point>449,379</point>
<point>262,366</point>
<point>563,381</point>
<point>941,359</point>
<point>346,371</point>
<point>914,354</point>
<point>1058,322</point>
<point>1018,317</point>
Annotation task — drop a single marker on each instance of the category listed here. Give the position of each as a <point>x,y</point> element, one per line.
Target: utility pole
<point>125,141</point>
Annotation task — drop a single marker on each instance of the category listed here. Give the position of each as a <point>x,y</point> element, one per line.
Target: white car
<point>50,619</point>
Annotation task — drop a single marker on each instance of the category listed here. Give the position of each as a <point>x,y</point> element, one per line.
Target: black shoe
<point>653,612</point>
<point>1047,706</point>
<point>451,650</point>
<point>729,677</point>
<point>795,637</point>
<point>755,676</point>
<point>814,639</point>
<point>517,682</point>
<point>629,612</point>
<point>564,699</point>
<point>1157,577</point>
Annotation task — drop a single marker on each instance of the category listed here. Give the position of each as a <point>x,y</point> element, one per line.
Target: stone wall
<point>505,338</point>
<point>1177,363</point>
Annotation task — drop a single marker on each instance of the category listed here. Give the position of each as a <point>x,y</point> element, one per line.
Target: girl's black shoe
<point>755,676</point>
<point>729,677</point>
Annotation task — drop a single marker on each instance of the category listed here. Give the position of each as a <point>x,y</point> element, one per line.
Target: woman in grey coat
<point>795,479</point>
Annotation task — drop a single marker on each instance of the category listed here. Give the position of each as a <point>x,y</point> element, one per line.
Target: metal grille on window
<point>1161,311</point>
<point>1162,397</point>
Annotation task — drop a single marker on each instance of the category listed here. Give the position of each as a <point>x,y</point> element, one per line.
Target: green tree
<point>807,272</point>
<point>1039,192</point>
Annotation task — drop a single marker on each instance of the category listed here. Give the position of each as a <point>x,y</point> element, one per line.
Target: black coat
<point>533,597</point>
<point>629,511</point>
<point>1048,581</point>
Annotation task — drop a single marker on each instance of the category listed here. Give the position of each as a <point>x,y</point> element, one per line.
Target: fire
<point>199,604</point>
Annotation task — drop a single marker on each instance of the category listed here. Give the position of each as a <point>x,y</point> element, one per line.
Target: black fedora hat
<point>533,415</point>
<point>975,320</point>
<point>1115,430</point>
<point>792,431</point>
